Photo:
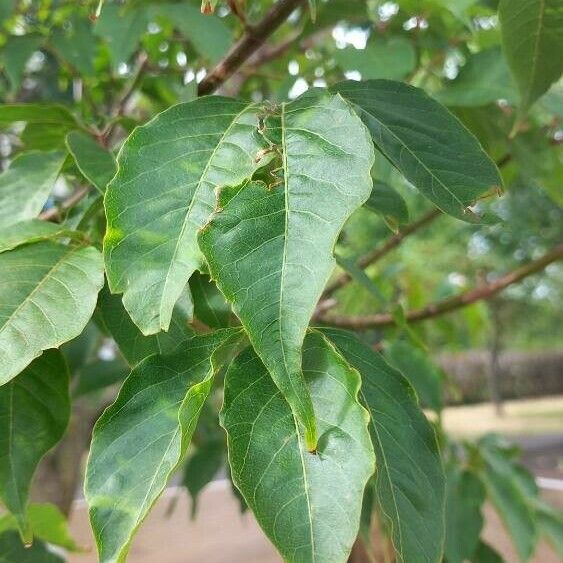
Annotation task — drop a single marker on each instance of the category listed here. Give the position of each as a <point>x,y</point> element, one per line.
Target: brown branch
<point>395,241</point>
<point>131,87</point>
<point>380,252</point>
<point>54,213</point>
<point>252,39</point>
<point>482,292</point>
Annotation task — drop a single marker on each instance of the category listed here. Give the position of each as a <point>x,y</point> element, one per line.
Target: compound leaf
<point>308,504</point>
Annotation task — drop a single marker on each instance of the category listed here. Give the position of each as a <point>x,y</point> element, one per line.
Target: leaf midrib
<point>284,261</point>
<point>301,447</point>
<point>535,51</point>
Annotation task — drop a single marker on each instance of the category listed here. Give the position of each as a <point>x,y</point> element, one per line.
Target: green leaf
<point>410,478</point>
<point>209,35</point>
<point>510,495</point>
<point>34,412</point>
<point>143,436</point>
<point>484,79</point>
<point>48,294</point>
<point>164,192</point>
<point>308,504</point>
<point>387,202</point>
<point>121,28</point>
<point>202,466</point>
<point>13,551</point>
<point>132,343</point>
<point>36,113</point>
<point>540,162</point>
<point>26,185</point>
<point>265,240</point>
<point>76,45</point>
<point>210,306</point>
<point>359,276</point>
<point>465,496</point>
<point>47,523</point>
<point>392,59</point>
<point>486,554</point>
<point>15,54</point>
<point>533,44</point>
<point>39,136</point>
<point>6,9</point>
<point>34,230</point>
<point>312,9</point>
<point>98,375</point>
<point>95,163</point>
<point>366,519</point>
<point>425,142</point>
<point>550,523</point>
<point>415,365</point>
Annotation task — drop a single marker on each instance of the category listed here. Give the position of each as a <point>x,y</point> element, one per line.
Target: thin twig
<point>482,292</point>
<point>55,213</point>
<point>253,38</point>
<point>131,87</point>
<point>380,252</point>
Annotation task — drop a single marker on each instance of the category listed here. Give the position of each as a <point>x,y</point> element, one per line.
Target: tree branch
<point>483,292</point>
<point>54,213</point>
<point>253,38</point>
<point>379,253</point>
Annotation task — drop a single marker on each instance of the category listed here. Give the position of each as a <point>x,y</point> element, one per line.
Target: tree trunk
<point>494,372</point>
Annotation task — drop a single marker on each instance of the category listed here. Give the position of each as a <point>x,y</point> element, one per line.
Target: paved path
<point>220,534</point>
